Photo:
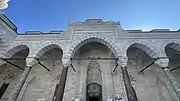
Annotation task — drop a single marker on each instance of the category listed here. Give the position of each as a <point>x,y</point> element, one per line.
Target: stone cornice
<point>95,22</point>
<point>8,22</point>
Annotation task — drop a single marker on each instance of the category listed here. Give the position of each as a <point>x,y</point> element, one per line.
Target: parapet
<point>39,32</point>
<point>33,32</point>
<point>8,22</point>
<point>152,31</point>
<point>95,22</point>
<point>56,32</point>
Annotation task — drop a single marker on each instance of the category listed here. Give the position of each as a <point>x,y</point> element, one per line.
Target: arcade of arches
<point>93,74</point>
<point>93,60</point>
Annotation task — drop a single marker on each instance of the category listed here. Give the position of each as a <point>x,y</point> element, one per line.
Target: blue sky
<point>46,15</point>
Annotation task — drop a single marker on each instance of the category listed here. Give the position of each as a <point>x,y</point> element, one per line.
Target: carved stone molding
<point>162,62</point>
<point>123,61</point>
<point>95,21</point>
<point>66,62</point>
<point>111,44</point>
<point>30,61</point>
<point>16,47</point>
<point>45,46</point>
<point>143,45</point>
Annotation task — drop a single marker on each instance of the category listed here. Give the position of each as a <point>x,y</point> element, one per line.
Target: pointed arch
<point>175,46</point>
<point>94,38</point>
<point>41,51</point>
<point>11,51</point>
<point>41,48</point>
<point>144,46</point>
<point>172,49</point>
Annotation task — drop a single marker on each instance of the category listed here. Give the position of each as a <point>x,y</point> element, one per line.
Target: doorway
<point>94,92</point>
<point>94,99</point>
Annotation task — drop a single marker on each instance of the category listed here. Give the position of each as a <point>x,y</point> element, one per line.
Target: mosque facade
<point>93,60</point>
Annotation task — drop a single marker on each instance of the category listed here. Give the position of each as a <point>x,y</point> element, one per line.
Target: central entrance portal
<point>94,81</point>
<point>94,59</point>
<point>94,92</point>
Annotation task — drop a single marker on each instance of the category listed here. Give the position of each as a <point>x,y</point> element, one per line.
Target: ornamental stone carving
<point>143,45</point>
<point>16,48</point>
<point>30,61</point>
<point>108,33</point>
<point>123,61</point>
<point>66,62</point>
<point>94,38</point>
<point>162,62</point>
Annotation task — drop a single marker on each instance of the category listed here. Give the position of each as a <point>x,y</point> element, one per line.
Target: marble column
<point>61,86</point>
<point>30,62</point>
<point>131,94</point>
<point>164,64</point>
<point>172,81</point>
<point>18,88</point>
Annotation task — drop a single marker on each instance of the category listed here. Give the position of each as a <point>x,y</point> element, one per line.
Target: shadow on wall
<point>41,83</point>
<point>10,75</point>
<point>152,79</point>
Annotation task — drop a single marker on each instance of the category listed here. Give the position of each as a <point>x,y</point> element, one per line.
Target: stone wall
<point>41,83</point>
<point>152,83</point>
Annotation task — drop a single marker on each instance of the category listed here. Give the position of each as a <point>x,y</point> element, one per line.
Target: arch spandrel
<point>93,38</point>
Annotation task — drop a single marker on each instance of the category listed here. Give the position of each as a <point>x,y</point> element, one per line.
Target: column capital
<point>66,62</point>
<point>162,62</point>
<point>30,62</point>
<point>166,69</point>
<point>122,61</point>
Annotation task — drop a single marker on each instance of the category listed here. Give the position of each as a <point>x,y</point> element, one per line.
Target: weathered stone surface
<point>18,88</point>
<point>173,82</point>
<point>111,42</point>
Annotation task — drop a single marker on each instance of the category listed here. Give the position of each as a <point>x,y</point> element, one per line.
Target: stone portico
<point>91,60</point>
